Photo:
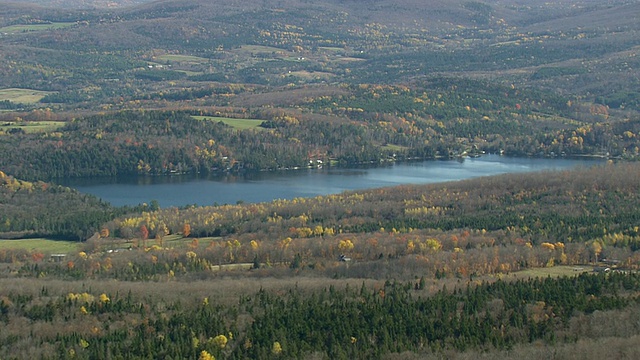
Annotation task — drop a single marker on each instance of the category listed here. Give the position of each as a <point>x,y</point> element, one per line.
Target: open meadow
<point>188,59</point>
<point>31,127</point>
<point>16,29</point>
<point>23,96</point>
<point>240,124</point>
<point>46,246</point>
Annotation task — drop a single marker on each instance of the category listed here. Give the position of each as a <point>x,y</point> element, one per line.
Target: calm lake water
<point>267,186</point>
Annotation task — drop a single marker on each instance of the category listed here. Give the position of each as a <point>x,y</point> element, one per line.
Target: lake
<point>267,186</point>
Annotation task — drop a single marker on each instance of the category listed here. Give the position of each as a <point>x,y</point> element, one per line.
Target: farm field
<point>32,127</point>
<point>177,241</point>
<point>311,75</point>
<point>260,49</point>
<point>42,245</point>
<point>181,59</point>
<point>24,96</point>
<point>190,73</point>
<point>240,124</point>
<point>15,29</point>
<point>543,272</point>
<point>52,246</point>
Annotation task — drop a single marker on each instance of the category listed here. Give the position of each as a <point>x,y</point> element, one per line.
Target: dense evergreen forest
<point>336,323</point>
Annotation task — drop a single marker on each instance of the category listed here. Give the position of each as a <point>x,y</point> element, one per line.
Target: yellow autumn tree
<point>204,355</point>
<point>276,349</point>
<point>345,245</point>
<point>548,246</point>
<point>596,249</point>
<point>433,245</point>
<point>220,341</point>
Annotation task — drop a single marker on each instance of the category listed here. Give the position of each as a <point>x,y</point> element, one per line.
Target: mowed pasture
<point>173,241</point>
<point>393,147</point>
<point>16,29</point>
<point>177,241</point>
<point>240,124</point>
<point>181,59</point>
<point>553,271</point>
<point>43,245</point>
<point>260,49</point>
<point>22,96</point>
<point>312,75</point>
<point>51,246</point>
<point>32,127</point>
<point>331,48</point>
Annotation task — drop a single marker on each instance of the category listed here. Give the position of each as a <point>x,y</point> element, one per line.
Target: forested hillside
<point>333,81</point>
<point>338,323</point>
<point>422,271</point>
<point>516,266</point>
<point>347,126</point>
<point>483,226</point>
<point>108,57</point>
<point>34,209</point>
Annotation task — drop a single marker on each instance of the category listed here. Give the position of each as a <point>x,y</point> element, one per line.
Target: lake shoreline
<point>263,186</point>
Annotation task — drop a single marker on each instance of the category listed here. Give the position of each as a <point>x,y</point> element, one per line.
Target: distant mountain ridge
<point>584,46</point>
<point>425,14</point>
<point>81,4</point>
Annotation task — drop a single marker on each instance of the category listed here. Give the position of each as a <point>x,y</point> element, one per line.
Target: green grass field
<point>554,271</point>
<point>260,49</point>
<point>15,29</point>
<point>177,241</point>
<point>32,127</point>
<point>49,246</point>
<point>190,73</point>
<point>329,48</point>
<point>348,59</point>
<point>240,124</point>
<point>182,59</point>
<point>42,245</point>
<point>173,241</point>
<point>394,147</point>
<point>23,96</point>
<point>310,75</point>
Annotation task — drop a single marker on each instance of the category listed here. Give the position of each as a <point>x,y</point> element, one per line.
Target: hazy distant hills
<point>590,45</point>
<point>419,78</point>
<point>81,4</point>
<point>334,15</point>
<point>406,13</point>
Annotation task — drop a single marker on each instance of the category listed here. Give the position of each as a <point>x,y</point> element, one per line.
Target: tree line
<point>354,322</point>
